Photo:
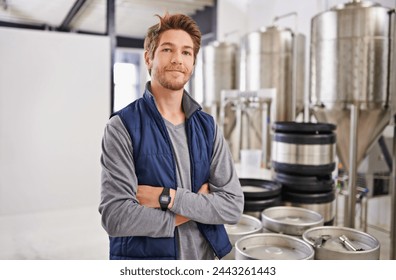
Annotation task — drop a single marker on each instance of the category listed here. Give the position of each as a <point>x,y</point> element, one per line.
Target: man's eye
<point>187,53</point>
<point>166,50</point>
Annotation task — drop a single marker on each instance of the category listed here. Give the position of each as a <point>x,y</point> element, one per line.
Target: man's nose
<point>177,58</point>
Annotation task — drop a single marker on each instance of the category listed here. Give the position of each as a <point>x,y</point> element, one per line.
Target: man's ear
<point>147,59</point>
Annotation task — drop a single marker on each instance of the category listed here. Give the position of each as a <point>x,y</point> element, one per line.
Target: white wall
<point>232,19</point>
<point>54,103</point>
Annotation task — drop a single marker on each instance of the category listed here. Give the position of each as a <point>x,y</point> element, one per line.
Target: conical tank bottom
<point>370,125</point>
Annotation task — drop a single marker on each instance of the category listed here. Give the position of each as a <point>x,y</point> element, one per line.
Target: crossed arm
<point>149,196</point>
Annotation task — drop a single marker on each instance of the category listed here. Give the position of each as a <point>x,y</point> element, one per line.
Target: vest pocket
<point>141,247</point>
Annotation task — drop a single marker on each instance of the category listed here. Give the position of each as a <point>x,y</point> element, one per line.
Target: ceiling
<point>132,17</point>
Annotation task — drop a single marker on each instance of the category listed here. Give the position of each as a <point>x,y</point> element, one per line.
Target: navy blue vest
<point>155,165</point>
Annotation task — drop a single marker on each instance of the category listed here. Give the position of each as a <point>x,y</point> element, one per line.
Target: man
<point>168,179</point>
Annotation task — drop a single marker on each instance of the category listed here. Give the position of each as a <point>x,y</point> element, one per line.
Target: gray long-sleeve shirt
<point>122,215</point>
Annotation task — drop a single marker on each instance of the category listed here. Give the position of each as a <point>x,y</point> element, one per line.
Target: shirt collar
<point>189,104</point>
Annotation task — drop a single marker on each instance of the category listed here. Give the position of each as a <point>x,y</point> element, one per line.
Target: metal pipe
<point>393,178</point>
<point>364,213</point>
<point>111,32</point>
<point>336,206</point>
<point>222,109</point>
<point>266,132</point>
<point>385,152</point>
<point>294,74</point>
<point>348,244</point>
<point>389,59</point>
<point>71,15</point>
<point>350,220</point>
<point>238,126</point>
<point>393,197</point>
<point>284,15</point>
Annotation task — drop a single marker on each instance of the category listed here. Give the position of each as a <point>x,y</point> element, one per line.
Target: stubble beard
<point>168,82</point>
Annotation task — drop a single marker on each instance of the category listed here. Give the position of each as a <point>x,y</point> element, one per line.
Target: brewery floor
<point>70,234</point>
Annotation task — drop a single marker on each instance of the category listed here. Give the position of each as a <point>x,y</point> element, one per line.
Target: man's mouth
<point>175,70</point>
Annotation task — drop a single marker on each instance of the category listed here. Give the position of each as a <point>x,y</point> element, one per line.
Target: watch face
<point>164,199</point>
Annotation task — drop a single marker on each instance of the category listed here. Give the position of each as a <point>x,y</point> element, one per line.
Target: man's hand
<point>179,220</point>
<point>204,189</point>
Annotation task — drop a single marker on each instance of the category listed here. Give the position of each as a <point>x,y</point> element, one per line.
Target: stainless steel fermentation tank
<point>219,73</point>
<point>273,57</point>
<point>351,53</point>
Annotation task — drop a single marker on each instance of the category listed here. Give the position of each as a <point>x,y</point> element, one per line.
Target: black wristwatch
<point>164,199</point>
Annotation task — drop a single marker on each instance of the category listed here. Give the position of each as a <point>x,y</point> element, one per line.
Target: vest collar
<point>189,105</point>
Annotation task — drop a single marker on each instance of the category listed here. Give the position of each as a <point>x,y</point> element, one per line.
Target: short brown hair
<point>168,22</point>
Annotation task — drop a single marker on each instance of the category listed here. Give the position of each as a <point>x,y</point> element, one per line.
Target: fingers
<point>179,220</point>
<point>204,189</point>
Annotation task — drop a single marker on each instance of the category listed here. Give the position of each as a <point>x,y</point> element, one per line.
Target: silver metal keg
<point>326,209</point>
<point>272,246</point>
<point>246,225</point>
<point>260,194</point>
<point>303,148</point>
<point>290,220</point>
<point>341,243</point>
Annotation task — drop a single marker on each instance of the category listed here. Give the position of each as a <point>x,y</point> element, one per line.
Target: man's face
<point>173,60</point>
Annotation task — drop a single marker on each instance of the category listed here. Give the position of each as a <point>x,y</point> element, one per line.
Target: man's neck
<point>169,103</point>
